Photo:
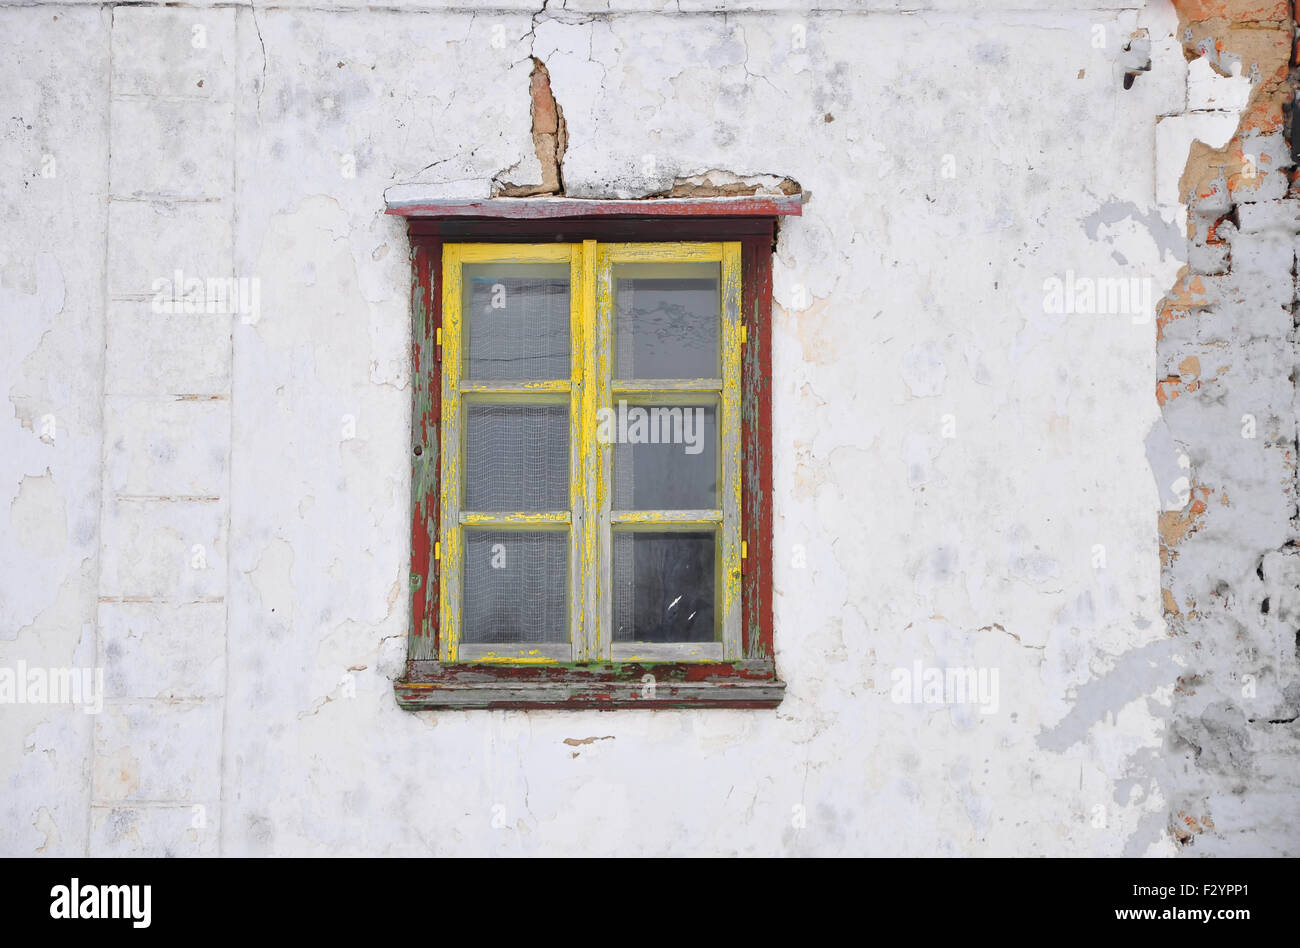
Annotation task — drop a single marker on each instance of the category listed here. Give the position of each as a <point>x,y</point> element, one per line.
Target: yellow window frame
<point>590,521</point>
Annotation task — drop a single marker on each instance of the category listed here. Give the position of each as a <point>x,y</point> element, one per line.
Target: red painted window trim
<point>749,683</point>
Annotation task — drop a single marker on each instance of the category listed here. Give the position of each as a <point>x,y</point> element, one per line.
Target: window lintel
<point>413,202</point>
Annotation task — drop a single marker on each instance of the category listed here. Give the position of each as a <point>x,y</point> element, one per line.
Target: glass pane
<point>516,457</point>
<point>667,320</point>
<point>665,456</point>
<point>663,587</point>
<point>516,321</point>
<point>516,586</point>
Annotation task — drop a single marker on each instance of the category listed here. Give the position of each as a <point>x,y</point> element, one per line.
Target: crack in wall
<point>550,140</point>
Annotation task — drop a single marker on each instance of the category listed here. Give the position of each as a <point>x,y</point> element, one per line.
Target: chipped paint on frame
<point>449,574</point>
<point>590,387</point>
<point>455,521</point>
<point>591,272</point>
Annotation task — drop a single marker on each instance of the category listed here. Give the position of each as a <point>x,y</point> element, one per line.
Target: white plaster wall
<point>250,706</point>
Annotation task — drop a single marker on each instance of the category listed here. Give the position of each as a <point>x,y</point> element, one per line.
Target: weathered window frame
<point>591,384</point>
<point>746,678</point>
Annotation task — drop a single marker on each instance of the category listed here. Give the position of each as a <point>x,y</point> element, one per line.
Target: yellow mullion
<point>598,535</point>
<point>667,518</point>
<point>729,455</point>
<point>528,518</point>
<point>543,387</point>
<point>580,334</point>
<point>595,385</point>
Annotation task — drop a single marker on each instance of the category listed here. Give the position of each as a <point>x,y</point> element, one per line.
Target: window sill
<point>739,685</point>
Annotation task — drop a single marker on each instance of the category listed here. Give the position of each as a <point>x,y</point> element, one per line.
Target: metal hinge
<point>437,552</point>
<point>744,334</point>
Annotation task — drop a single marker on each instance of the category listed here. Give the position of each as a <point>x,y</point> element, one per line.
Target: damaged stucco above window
<point>550,139</point>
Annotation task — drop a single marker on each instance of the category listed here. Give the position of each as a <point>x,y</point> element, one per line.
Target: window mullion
<point>732,340</point>
<point>584,460</point>
<point>600,576</point>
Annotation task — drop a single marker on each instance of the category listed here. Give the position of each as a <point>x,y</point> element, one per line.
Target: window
<point>590,436</point>
<point>591,467</point>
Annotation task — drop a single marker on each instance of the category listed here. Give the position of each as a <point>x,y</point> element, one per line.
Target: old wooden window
<point>591,476</point>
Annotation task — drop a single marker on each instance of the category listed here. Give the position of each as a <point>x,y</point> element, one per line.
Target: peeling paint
<point>1226,347</point>
<point>220,513</point>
